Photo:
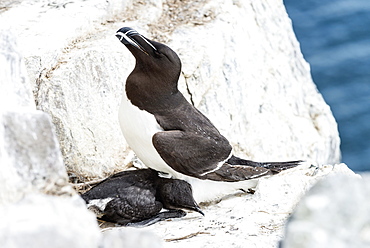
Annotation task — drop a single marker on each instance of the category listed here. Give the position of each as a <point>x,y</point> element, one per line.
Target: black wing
<point>190,153</point>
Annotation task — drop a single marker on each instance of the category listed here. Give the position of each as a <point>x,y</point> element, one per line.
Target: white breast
<point>138,128</point>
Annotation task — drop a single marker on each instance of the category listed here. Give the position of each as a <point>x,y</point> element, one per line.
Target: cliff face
<point>242,67</point>
<point>39,206</point>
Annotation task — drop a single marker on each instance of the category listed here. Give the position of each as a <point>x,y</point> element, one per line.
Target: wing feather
<point>190,153</point>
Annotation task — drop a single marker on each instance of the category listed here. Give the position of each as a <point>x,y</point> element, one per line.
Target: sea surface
<point>335,40</point>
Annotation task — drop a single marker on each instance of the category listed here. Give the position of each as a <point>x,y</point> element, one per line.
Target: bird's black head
<point>157,68</point>
<point>177,194</point>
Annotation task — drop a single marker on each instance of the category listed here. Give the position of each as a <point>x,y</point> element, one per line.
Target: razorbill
<point>170,135</point>
<point>136,197</point>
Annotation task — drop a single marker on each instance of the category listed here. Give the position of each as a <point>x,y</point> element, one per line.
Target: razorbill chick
<point>136,197</point>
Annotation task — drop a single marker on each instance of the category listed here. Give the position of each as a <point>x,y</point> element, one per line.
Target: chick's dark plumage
<point>139,196</point>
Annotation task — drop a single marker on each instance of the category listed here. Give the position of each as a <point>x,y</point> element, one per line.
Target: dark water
<point>335,40</point>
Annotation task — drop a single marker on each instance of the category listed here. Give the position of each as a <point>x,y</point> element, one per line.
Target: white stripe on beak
<point>133,42</point>
<point>150,44</point>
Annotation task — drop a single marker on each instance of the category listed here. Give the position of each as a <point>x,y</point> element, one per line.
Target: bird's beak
<point>129,36</point>
<point>197,209</point>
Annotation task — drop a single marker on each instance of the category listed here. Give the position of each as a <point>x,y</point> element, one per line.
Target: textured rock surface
<point>48,221</point>
<point>82,97</point>
<point>334,213</point>
<point>15,87</point>
<point>30,157</point>
<point>242,67</point>
<point>32,170</point>
<point>246,220</point>
<point>130,238</point>
<point>48,31</point>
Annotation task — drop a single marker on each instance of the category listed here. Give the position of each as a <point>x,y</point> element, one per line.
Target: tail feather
<point>237,169</point>
<point>273,166</point>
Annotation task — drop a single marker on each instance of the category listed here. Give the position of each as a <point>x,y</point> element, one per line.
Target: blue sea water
<point>335,40</point>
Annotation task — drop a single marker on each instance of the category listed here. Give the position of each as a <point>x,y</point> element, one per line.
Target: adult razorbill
<point>170,135</point>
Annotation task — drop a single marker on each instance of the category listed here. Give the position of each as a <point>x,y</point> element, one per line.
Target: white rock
<point>15,88</point>
<point>334,213</point>
<point>45,27</point>
<point>130,238</point>
<point>32,169</point>
<point>83,97</point>
<point>40,221</point>
<point>30,156</point>
<point>77,81</point>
